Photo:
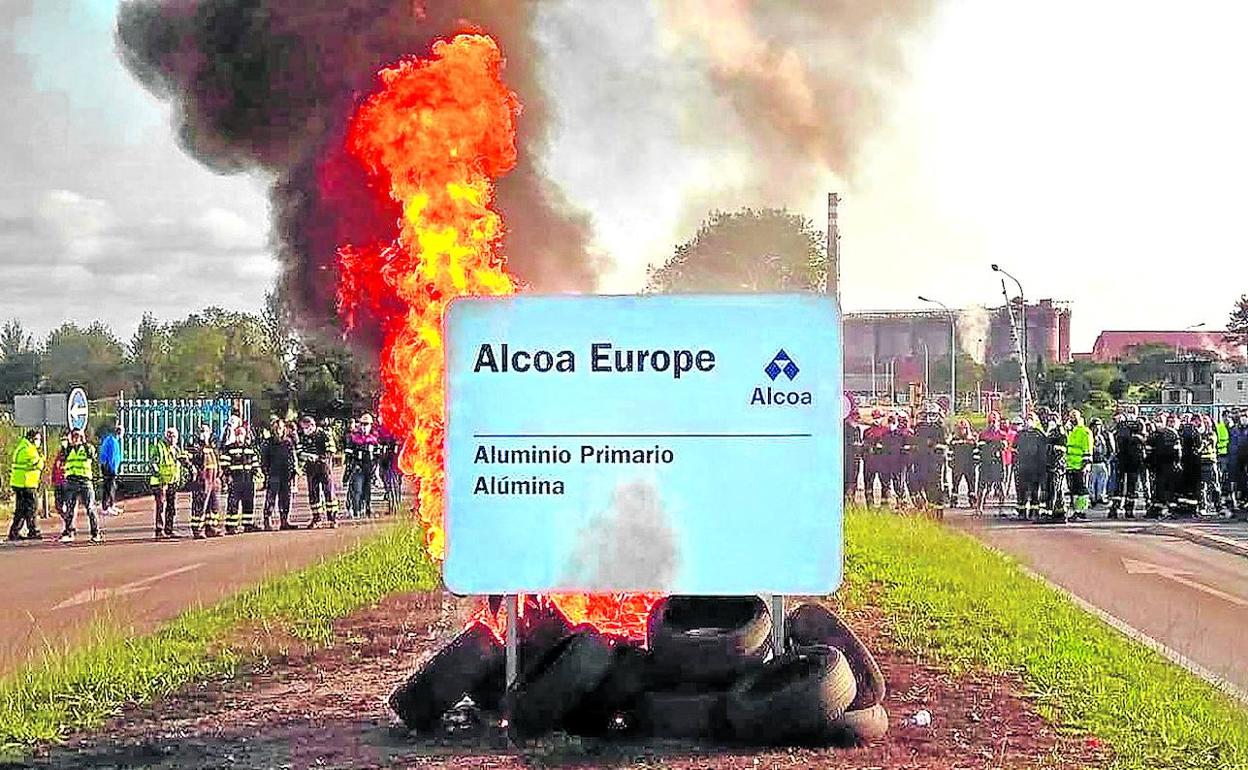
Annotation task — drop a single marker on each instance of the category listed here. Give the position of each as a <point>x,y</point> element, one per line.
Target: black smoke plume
<point>269,86</point>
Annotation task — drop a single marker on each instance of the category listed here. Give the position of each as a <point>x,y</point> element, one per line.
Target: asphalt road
<point>54,593</point>
<point>1190,598</point>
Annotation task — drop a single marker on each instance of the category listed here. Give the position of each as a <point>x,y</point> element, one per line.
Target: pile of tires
<point>707,673</point>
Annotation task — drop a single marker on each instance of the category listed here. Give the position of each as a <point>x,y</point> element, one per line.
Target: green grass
<point>81,688</point>
<point>953,601</point>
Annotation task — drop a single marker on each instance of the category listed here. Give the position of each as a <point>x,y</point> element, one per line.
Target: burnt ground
<point>326,708</point>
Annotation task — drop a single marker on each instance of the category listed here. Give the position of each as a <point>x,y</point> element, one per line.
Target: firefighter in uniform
<point>1129,457</point>
<point>1187,493</point>
<point>1078,460</point>
<point>165,461</point>
<point>240,463</point>
<point>316,454</point>
<point>361,455</point>
<point>1164,455</point>
<point>205,499</point>
<point>992,447</point>
<point>964,447</point>
<point>1031,449</point>
<point>852,457</point>
<point>279,463</point>
<point>897,452</point>
<point>875,458</point>
<point>930,445</point>
<point>1055,479</point>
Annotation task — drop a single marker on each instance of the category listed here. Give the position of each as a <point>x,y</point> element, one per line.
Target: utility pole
<point>1061,389</point>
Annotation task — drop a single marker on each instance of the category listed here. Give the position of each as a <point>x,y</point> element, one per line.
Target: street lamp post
<point>1022,311</point>
<point>953,354</point>
<point>924,344</point>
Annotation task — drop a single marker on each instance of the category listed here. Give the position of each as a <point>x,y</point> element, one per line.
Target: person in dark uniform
<point>316,453</point>
<point>279,464</point>
<point>1030,459</point>
<point>1164,456</point>
<point>1129,463</point>
<point>964,448</point>
<point>928,454</point>
<point>1055,478</point>
<point>993,442</point>
<point>853,456</point>
<point>1187,494</point>
<point>901,454</point>
<point>241,462</point>
<point>205,505</point>
<point>875,458</point>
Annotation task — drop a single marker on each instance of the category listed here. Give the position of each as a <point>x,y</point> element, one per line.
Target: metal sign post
<point>513,653</point>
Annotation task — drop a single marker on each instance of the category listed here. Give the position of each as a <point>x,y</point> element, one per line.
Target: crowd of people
<point>220,469</point>
<point>1053,466</point>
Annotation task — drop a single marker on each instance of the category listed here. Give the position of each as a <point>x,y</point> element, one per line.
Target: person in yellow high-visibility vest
<point>79,471</point>
<point>165,460</point>
<point>24,474</point>
<point>1078,458</point>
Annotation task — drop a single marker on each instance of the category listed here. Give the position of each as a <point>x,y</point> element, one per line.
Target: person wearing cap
<point>25,470</point>
<point>241,462</point>
<point>361,455</point>
<point>316,454</point>
<point>205,499</point>
<point>80,462</point>
<point>165,459</point>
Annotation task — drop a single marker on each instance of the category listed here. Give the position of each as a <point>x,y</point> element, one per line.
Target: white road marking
<point>100,594</point>
<point>1134,567</point>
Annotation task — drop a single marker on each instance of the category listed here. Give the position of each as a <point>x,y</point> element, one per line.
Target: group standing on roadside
<point>1059,467</point>
<point>219,469</point>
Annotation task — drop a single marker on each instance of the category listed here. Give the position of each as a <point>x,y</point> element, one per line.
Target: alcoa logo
<point>781,364</point>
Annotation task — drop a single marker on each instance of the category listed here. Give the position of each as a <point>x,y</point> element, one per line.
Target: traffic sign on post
<point>679,444</point>
<point>76,409</point>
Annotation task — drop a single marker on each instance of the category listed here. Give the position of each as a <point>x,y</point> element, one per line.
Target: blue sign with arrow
<point>77,409</point>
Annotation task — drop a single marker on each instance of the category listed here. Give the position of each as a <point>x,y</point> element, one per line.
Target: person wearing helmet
<point>362,454</point>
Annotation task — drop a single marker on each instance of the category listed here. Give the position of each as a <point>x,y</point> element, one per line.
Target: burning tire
<point>460,668</point>
<point>557,683</point>
<point>688,715</point>
<point>797,697</point>
<point>707,640</point>
<point>613,706</point>
<point>812,624</point>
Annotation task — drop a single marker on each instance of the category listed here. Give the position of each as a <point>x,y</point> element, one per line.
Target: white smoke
<point>630,545</point>
<point>973,326</point>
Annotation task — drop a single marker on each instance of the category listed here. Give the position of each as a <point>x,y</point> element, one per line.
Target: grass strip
<point>80,689</point>
<point>964,606</point>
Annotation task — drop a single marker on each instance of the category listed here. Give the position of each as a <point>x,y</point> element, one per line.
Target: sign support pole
<point>513,667</point>
<point>777,624</point>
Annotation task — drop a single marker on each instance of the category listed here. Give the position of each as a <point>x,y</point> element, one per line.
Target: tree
<point>148,351</point>
<point>19,362</point>
<point>91,357</point>
<point>748,250</point>
<point>1146,363</point>
<point>1237,325</point>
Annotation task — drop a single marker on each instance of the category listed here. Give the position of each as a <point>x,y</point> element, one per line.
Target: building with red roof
<point>1113,346</point>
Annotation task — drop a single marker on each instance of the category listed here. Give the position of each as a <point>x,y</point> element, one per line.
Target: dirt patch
<point>326,709</point>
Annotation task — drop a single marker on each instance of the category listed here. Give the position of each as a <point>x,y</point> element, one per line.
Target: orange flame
<point>432,138</point>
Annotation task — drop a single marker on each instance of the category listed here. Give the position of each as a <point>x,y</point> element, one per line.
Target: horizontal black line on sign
<point>642,435</point>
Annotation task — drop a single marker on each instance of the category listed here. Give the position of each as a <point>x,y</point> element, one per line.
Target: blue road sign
<point>682,444</point>
<point>76,409</point>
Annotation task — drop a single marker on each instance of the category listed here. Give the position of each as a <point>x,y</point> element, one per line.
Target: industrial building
<point>886,350</point>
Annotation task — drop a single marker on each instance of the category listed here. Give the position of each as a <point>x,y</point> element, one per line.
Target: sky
<point>1094,149</point>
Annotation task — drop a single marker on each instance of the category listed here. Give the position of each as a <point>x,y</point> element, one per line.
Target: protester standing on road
<point>241,462</point>
<point>1079,455</point>
<point>316,455</point>
<point>1098,471</point>
<point>1030,464</point>
<point>80,459</point>
<point>362,452</point>
<point>1210,496</point>
<point>164,459</point>
<point>25,471</point>
<point>57,477</point>
<point>205,497</point>
<point>1129,447</point>
<point>1187,493</point>
<point>1239,463</point>
<point>1164,455</point>
<point>111,458</point>
<point>1055,481</point>
<point>279,463</point>
<point>964,448</point>
<point>993,445</point>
